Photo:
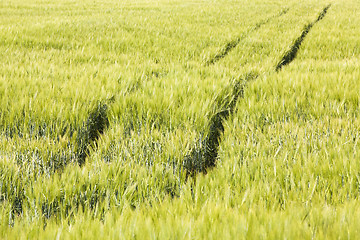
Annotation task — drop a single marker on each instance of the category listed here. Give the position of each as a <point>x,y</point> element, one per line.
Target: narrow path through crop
<point>232,44</point>
<point>200,159</point>
<point>290,55</point>
<point>95,125</point>
<point>203,157</point>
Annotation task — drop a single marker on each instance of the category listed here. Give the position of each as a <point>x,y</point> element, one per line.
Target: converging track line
<point>290,55</point>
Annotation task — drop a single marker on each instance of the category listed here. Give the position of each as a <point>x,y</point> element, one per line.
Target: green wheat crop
<point>169,119</point>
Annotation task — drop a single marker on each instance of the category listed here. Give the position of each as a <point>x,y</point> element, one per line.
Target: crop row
<point>87,139</point>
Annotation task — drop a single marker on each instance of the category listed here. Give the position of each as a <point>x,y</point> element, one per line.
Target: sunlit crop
<point>225,119</point>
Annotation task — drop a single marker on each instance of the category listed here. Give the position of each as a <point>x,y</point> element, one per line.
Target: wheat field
<point>169,119</point>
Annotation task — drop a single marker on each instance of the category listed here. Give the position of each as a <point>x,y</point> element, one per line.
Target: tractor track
<point>95,125</point>
<point>290,55</point>
<point>203,157</point>
<point>233,43</point>
<point>200,159</point>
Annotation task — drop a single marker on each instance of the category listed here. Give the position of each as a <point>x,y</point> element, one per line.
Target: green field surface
<point>169,119</point>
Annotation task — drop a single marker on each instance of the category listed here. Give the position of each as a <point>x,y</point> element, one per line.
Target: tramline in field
<point>179,119</point>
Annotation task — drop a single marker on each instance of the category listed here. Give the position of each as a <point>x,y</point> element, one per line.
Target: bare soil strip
<point>290,55</point>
